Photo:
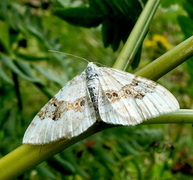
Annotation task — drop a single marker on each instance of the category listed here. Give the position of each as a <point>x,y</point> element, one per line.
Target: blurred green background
<point>96,30</point>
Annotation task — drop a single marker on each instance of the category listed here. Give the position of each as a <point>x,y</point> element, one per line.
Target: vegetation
<point>30,75</point>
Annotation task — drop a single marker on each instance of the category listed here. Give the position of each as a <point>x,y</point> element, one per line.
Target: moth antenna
<point>100,64</point>
<point>69,55</point>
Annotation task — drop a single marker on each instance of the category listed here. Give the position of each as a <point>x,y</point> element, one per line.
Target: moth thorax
<point>93,88</point>
<point>91,72</point>
<point>91,76</point>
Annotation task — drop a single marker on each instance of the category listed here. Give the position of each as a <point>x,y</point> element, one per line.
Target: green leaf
<point>5,77</point>
<point>20,69</point>
<point>128,148</point>
<point>116,36</point>
<point>30,58</point>
<point>185,22</point>
<point>44,172</point>
<point>61,165</point>
<point>48,74</point>
<point>5,111</point>
<point>188,6</point>
<point>117,18</point>
<point>107,32</point>
<point>167,4</point>
<point>120,7</point>
<point>99,7</point>
<point>80,16</point>
<point>4,37</point>
<point>147,136</point>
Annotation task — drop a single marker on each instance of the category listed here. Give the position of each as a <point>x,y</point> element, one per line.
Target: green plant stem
<point>179,117</point>
<point>168,61</point>
<point>137,35</point>
<point>28,156</point>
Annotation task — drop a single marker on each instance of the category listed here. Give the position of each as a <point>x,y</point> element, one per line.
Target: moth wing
<point>67,114</point>
<point>126,99</point>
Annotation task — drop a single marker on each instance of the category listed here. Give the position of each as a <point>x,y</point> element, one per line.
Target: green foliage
<point>117,18</point>
<point>184,22</point>
<point>112,154</point>
<point>19,66</point>
<point>80,16</point>
<point>29,75</point>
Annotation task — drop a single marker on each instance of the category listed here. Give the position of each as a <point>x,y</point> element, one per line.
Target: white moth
<point>111,95</point>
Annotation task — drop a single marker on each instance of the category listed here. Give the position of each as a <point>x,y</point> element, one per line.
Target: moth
<point>99,93</point>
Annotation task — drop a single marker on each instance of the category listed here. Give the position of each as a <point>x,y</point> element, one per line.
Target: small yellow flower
<point>157,41</point>
<point>150,43</point>
<point>162,40</point>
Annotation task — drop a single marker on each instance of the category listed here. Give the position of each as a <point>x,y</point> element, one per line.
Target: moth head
<point>91,72</point>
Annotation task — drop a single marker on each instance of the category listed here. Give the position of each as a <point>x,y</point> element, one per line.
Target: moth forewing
<point>114,96</point>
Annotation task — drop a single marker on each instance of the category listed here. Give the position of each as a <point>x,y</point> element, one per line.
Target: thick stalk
<point>28,156</point>
<point>168,61</point>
